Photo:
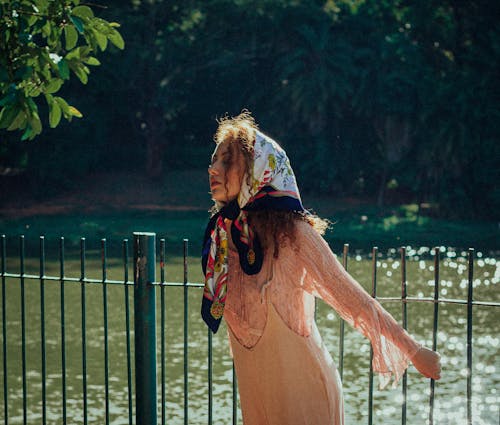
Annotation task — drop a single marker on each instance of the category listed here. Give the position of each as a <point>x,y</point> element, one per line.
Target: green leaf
<point>42,4</point>
<point>7,115</point>
<point>92,61</point>
<point>64,106</point>
<point>63,69</point>
<point>75,112</point>
<point>78,23</point>
<point>55,114</point>
<point>49,98</point>
<point>116,38</point>
<point>47,28</point>
<point>36,124</point>
<point>27,133</point>
<point>18,121</point>
<point>54,85</point>
<point>101,39</point>
<point>81,71</point>
<point>71,36</point>
<point>31,105</point>
<point>83,12</point>
<point>79,53</point>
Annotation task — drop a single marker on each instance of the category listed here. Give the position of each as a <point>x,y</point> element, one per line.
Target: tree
<point>41,44</point>
<point>159,67</point>
<point>457,159</point>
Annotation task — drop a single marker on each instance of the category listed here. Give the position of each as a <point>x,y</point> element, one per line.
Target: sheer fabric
<point>306,269</point>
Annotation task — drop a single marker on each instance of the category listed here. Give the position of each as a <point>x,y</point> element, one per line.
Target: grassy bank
<point>113,206</point>
<point>401,225</point>
<point>361,226</point>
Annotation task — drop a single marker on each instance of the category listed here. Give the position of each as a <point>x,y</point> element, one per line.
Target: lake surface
<point>450,403</point>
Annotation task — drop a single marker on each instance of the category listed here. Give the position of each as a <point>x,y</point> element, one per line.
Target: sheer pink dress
<point>285,374</point>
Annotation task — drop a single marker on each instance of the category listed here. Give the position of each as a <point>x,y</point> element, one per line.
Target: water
<point>450,404</point>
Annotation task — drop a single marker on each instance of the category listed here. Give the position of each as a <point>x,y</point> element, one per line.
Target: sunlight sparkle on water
<point>415,397</point>
<point>464,372</point>
<point>410,251</point>
<point>488,340</point>
<point>451,264</point>
<point>423,250</point>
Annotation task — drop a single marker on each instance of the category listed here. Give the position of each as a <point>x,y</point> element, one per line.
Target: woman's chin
<point>219,199</point>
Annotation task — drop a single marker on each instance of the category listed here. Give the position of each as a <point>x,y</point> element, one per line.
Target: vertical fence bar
<point>162,303</point>
<point>235,397</point>
<point>434,330</point>
<point>4,334</point>
<point>210,378</point>
<point>104,255</point>
<point>186,316</point>
<point>23,329</point>
<point>42,329</point>
<point>63,326</point>
<point>84,331</point>
<point>374,295</point>
<point>342,324</point>
<point>469,336</point>
<point>127,329</point>
<point>145,328</point>
<point>405,326</point>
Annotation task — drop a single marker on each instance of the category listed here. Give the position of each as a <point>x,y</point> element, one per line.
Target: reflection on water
<point>450,403</point>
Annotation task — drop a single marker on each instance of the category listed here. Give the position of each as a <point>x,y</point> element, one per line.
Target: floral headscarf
<point>272,186</point>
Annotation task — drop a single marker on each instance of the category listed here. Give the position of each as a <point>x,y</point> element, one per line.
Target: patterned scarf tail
<point>210,320</point>
<point>214,263</point>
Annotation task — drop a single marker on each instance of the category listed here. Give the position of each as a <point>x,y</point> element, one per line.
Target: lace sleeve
<point>324,277</point>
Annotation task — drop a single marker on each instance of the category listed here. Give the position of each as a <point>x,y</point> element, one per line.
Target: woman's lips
<point>214,185</point>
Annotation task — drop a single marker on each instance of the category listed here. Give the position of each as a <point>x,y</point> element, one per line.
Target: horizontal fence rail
<point>146,358</point>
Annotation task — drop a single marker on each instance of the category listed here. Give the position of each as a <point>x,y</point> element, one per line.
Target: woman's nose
<point>212,170</point>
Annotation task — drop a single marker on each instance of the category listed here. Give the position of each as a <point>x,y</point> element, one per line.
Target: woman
<point>265,261</point>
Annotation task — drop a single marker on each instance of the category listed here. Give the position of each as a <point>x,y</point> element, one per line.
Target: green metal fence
<point>146,386</point>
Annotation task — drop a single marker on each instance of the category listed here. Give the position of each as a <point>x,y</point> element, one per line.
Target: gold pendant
<point>251,257</point>
<point>217,309</point>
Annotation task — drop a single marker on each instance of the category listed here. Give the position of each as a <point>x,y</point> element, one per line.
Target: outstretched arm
<point>325,277</point>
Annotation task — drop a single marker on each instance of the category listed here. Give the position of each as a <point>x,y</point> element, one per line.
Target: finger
<point>436,375</point>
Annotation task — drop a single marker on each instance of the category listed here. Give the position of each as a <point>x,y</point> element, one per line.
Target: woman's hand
<point>427,363</point>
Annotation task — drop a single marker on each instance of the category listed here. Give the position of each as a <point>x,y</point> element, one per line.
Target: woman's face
<point>226,172</point>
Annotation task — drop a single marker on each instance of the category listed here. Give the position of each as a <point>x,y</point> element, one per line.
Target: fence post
<point>145,328</point>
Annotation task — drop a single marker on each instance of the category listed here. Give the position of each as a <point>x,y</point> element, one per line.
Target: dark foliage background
<point>394,100</point>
